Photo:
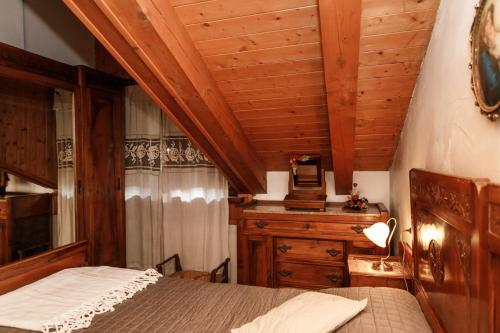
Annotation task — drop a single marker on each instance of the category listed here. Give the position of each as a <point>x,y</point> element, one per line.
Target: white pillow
<point>310,312</point>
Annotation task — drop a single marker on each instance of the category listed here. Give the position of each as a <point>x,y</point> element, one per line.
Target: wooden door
<point>260,272</point>
<point>103,177</point>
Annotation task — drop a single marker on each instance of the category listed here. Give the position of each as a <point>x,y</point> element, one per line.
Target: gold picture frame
<point>485,64</point>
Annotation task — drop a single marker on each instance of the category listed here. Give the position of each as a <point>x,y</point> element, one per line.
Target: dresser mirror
<point>307,171</point>
<point>306,184</point>
<point>37,201</point>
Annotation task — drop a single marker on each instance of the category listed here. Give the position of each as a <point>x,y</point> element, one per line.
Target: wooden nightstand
<point>361,273</point>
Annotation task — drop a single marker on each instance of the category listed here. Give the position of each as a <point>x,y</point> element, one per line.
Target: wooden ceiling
<point>266,57</point>
<point>258,66</point>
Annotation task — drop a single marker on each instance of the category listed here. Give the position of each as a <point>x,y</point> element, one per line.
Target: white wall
<point>374,185</point>
<point>11,23</point>
<point>46,28</point>
<point>444,131</point>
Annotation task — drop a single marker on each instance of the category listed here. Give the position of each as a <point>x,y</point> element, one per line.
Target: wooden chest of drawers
<point>280,248</point>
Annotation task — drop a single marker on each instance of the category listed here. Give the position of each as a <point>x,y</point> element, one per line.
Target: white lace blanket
<point>69,299</point>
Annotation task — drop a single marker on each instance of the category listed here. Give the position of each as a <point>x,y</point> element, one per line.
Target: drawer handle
<point>334,277</point>
<point>284,248</point>
<point>260,224</point>
<point>357,229</point>
<point>284,272</point>
<point>307,226</point>
<point>333,252</point>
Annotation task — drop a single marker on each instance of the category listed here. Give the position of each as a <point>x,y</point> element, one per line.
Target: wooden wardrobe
<point>100,176</point>
<point>98,148</point>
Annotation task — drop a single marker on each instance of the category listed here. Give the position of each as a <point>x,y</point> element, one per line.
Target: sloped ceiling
<point>246,78</point>
<point>266,57</point>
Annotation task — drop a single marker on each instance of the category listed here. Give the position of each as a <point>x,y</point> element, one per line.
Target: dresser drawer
<point>309,249</point>
<point>345,228</point>
<point>359,247</point>
<point>304,275</point>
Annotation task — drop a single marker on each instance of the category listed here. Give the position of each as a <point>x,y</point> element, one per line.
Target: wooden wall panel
<point>28,136</point>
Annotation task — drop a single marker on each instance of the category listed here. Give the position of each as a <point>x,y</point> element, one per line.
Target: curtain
<point>176,201</point>
<point>64,227</point>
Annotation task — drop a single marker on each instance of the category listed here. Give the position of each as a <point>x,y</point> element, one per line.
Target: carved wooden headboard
<point>490,263</point>
<point>447,213</point>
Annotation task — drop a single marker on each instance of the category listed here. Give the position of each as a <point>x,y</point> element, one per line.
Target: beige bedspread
<point>174,305</point>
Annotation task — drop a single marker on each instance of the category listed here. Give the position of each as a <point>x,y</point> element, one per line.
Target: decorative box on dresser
<point>303,249</point>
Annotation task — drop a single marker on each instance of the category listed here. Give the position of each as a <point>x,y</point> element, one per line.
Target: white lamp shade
<point>377,233</point>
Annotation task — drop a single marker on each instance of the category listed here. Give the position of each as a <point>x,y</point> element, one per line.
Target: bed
<point>455,260</point>
<point>174,305</point>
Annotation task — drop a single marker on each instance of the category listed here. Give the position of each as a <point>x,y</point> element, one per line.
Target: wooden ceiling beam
<point>149,41</point>
<point>340,24</point>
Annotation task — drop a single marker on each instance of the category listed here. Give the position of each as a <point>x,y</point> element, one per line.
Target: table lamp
<point>381,235</point>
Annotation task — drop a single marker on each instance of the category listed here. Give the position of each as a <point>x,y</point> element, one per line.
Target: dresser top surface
<point>331,209</point>
<point>362,265</point>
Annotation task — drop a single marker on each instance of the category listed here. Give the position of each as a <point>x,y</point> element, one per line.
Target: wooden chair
<point>211,276</point>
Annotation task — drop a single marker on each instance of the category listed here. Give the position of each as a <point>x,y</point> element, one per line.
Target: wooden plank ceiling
<point>245,79</point>
<point>149,41</point>
<point>266,57</point>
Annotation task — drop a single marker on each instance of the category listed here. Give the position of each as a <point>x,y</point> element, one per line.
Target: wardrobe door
<point>104,173</point>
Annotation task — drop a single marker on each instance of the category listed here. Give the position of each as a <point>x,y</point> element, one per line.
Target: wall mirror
<point>37,192</point>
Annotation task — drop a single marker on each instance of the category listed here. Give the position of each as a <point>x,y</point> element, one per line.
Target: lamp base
<point>382,265</point>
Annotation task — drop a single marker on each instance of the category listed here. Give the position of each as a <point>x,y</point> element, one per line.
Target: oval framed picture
<point>485,43</point>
